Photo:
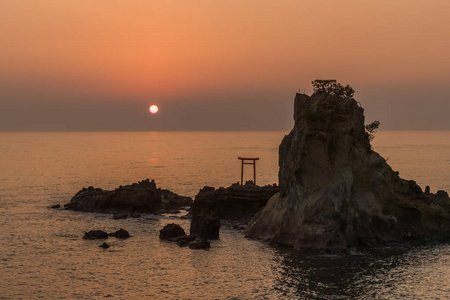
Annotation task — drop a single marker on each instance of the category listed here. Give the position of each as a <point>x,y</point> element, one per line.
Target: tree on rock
<point>371,129</point>
<point>331,86</point>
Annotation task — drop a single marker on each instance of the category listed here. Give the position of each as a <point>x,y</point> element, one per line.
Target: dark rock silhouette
<point>200,245</point>
<point>55,206</point>
<point>441,194</point>
<point>183,241</point>
<point>104,245</point>
<point>236,201</point>
<point>121,234</point>
<point>171,231</point>
<point>95,235</point>
<point>235,204</point>
<point>336,192</point>
<point>205,226</point>
<point>137,197</point>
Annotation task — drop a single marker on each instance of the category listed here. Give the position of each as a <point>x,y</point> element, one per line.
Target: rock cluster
<point>237,204</point>
<point>175,233</point>
<point>336,193</point>
<point>137,197</point>
<point>100,234</point>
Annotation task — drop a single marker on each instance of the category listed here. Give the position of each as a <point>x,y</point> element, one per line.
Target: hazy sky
<point>218,65</point>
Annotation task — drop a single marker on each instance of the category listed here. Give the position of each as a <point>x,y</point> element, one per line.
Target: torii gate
<point>253,162</point>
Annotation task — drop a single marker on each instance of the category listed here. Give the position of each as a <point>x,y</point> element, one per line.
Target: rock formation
<point>237,203</point>
<point>336,193</point>
<point>171,231</point>
<point>205,227</point>
<point>121,234</point>
<point>104,245</point>
<point>137,197</point>
<point>95,235</point>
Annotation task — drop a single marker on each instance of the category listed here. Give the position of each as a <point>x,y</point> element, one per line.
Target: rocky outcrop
<point>137,197</point>
<point>234,202</point>
<point>237,203</point>
<point>336,193</point>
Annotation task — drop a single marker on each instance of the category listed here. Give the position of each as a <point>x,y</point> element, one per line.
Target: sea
<point>43,255</point>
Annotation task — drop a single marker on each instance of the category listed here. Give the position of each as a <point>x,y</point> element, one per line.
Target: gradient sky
<point>218,65</point>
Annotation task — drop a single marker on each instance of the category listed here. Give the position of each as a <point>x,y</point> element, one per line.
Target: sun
<point>153,109</point>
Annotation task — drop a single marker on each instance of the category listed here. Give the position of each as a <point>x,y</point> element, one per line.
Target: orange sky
<point>171,51</point>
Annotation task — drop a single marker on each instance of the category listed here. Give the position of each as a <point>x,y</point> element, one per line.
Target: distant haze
<point>218,65</point>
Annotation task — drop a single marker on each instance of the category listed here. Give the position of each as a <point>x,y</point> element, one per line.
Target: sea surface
<point>43,255</point>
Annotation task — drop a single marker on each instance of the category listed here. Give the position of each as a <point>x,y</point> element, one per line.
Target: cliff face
<point>335,191</point>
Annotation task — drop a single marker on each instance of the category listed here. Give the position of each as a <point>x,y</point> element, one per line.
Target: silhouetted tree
<point>372,128</point>
<point>331,86</point>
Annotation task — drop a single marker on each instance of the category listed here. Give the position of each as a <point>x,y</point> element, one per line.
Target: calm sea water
<point>43,255</point>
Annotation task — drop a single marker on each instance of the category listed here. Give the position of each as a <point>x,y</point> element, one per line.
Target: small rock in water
<point>55,206</point>
<point>95,234</point>
<point>183,241</point>
<point>200,245</point>
<point>120,234</point>
<point>104,245</point>
<point>171,231</point>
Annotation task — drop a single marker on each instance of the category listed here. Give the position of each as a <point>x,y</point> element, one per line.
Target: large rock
<point>336,192</point>
<point>171,232</point>
<point>137,197</point>
<point>205,227</point>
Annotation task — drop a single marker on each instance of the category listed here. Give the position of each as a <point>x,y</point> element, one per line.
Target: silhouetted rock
<point>55,206</point>
<point>104,245</point>
<point>95,235</point>
<point>205,226</point>
<point>200,245</point>
<point>121,234</point>
<point>126,201</point>
<point>234,202</point>
<point>441,194</point>
<point>171,231</point>
<point>336,192</point>
<point>427,190</point>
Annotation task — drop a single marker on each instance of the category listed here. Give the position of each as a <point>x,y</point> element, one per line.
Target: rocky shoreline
<point>235,206</point>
